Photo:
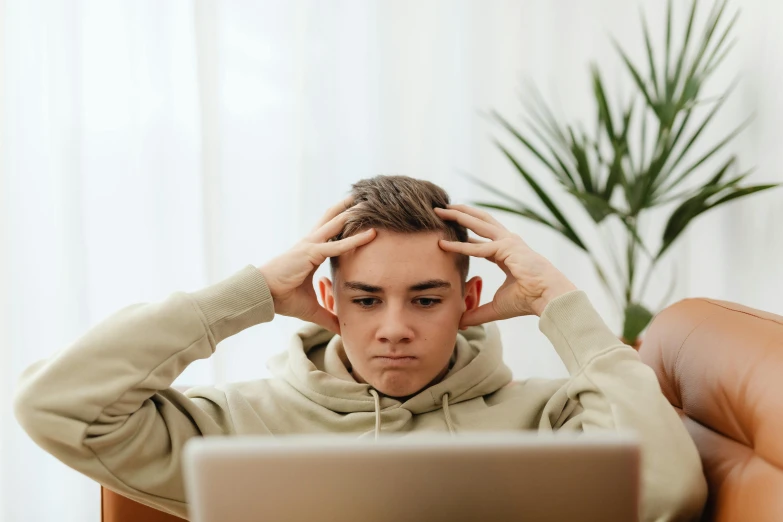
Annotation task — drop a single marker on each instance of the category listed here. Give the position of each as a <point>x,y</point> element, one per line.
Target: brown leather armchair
<point>116,508</point>
<point>720,365</point>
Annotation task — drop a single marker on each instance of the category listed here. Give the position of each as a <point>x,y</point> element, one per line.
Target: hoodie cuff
<point>576,330</point>
<point>238,302</point>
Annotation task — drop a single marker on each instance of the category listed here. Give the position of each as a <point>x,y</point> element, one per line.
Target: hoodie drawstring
<point>446,414</point>
<point>377,413</point>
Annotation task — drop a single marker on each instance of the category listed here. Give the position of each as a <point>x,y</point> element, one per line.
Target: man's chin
<point>397,389</point>
<point>398,392</point>
<point>401,388</point>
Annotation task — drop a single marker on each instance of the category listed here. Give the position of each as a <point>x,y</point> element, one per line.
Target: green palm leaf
<point>637,317</point>
<point>579,154</point>
<point>671,83</point>
<point>640,83</point>
<point>738,193</point>
<point>545,199</point>
<point>695,136</point>
<point>560,174</point>
<point>568,182</point>
<point>650,56</point>
<point>499,193</point>
<point>712,24</point>
<point>604,114</point>
<point>698,204</point>
<point>667,54</point>
<point>523,211</point>
<point>708,154</point>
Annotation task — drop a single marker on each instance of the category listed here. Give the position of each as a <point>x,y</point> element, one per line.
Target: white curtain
<point>149,147</point>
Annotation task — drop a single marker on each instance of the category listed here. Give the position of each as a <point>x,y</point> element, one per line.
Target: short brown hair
<point>402,204</point>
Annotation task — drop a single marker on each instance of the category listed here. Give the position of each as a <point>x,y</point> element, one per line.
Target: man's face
<point>399,301</point>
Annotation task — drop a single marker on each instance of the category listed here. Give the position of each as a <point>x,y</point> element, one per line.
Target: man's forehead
<point>398,274</point>
<point>404,239</point>
<point>399,260</point>
<point>400,247</point>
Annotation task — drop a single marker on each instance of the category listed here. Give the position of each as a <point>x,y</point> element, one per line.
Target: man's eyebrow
<point>429,285</point>
<point>418,287</point>
<point>362,287</point>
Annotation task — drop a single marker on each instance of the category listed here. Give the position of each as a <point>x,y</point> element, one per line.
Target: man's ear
<point>472,296</point>
<point>327,295</point>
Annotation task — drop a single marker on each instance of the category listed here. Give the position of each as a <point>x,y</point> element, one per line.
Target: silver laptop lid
<point>509,476</point>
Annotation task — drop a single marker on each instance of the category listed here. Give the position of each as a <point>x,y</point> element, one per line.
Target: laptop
<point>428,477</point>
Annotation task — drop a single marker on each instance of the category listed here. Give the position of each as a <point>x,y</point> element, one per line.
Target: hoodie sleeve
<point>615,390</point>
<point>104,405</point>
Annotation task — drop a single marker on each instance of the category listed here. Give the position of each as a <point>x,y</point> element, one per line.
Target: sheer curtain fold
<point>151,147</point>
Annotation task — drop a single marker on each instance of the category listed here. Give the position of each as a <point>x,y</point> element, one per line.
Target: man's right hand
<point>290,275</point>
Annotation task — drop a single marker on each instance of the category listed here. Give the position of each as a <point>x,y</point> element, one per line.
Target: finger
<point>480,227</point>
<point>484,249</point>
<point>485,313</point>
<point>336,248</point>
<point>327,319</point>
<point>481,242</point>
<point>331,228</point>
<point>333,211</point>
<point>477,213</point>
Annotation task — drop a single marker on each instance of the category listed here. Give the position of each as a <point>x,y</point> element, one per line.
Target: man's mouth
<point>395,360</point>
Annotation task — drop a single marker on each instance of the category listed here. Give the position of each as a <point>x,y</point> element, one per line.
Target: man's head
<point>399,299</point>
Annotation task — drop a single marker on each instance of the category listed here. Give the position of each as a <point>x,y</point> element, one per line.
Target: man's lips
<point>395,360</point>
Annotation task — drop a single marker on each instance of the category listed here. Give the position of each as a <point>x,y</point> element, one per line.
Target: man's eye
<point>428,302</point>
<point>365,302</point>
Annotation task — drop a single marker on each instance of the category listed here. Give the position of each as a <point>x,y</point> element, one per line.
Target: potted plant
<point>620,175</point>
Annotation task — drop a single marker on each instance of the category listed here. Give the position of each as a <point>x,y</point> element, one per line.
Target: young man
<point>397,347</point>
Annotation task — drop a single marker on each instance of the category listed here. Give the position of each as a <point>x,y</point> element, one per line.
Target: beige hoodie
<point>104,405</point>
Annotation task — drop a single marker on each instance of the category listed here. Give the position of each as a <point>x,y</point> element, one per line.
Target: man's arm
<point>103,405</point>
<point>616,391</point>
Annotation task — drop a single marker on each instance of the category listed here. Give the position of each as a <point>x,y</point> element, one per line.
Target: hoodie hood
<point>315,364</point>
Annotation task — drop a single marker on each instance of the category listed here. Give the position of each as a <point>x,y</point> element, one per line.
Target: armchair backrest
<point>720,364</point>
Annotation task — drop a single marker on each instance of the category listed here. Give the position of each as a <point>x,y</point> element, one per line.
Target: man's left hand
<point>531,280</point>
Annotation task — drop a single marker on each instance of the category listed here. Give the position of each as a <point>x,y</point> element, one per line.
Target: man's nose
<point>395,327</point>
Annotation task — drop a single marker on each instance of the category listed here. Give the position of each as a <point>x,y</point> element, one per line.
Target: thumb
<point>485,313</point>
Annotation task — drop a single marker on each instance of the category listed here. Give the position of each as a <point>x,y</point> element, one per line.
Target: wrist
<point>270,283</point>
<point>552,292</point>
